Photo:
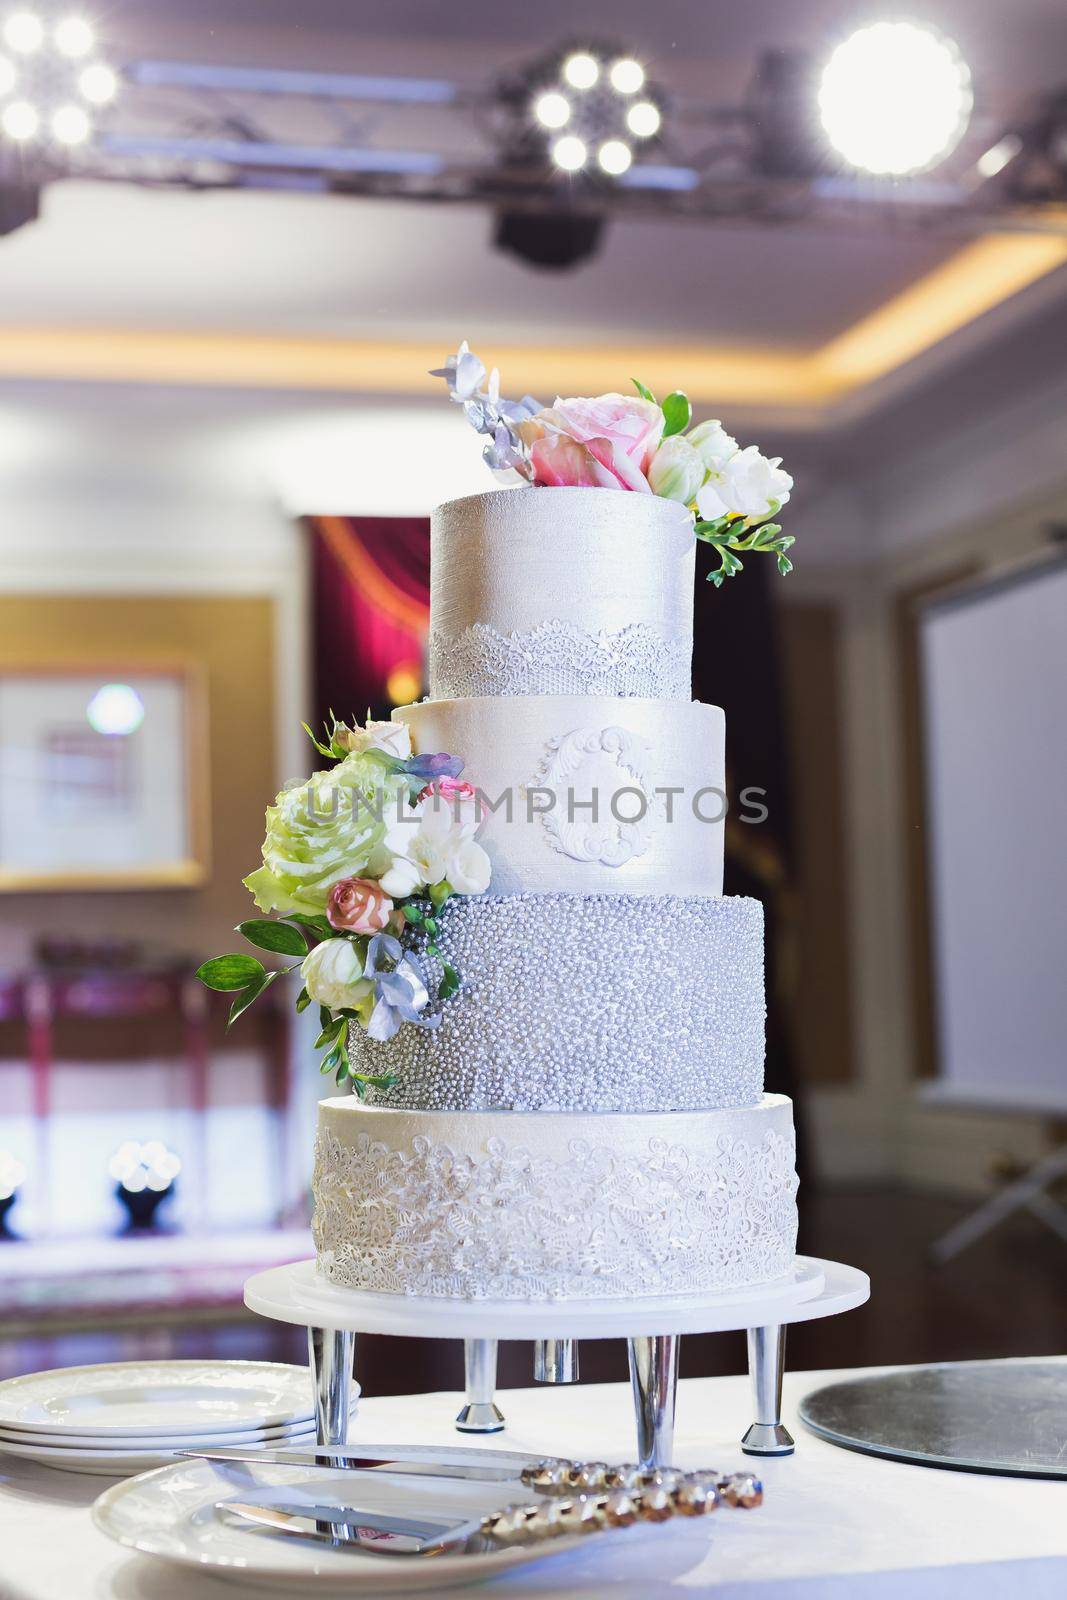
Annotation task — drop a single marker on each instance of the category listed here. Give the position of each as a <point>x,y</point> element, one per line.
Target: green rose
<point>327,827</point>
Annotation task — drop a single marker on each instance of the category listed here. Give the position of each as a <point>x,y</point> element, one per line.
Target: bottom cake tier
<point>504,1205</point>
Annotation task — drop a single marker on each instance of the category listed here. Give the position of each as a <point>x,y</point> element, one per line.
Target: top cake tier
<point>561,591</point>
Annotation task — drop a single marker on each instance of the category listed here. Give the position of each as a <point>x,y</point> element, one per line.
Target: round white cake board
<point>295,1294</point>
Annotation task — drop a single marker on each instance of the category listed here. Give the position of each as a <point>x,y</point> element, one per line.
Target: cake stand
<point>651,1327</point>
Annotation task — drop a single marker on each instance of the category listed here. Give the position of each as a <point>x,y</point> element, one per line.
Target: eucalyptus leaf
<point>230,972</point>
<point>677,413</point>
<point>276,936</point>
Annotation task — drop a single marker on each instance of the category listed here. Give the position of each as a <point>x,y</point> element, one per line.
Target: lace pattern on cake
<point>559,657</point>
<point>594,1224</point>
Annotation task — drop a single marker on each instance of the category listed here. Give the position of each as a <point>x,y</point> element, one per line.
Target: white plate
<point>275,1439</point>
<point>172,1514</point>
<point>114,1463</point>
<point>154,1399</point>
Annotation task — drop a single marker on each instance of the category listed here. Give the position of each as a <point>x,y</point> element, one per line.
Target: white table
<point>835,1525</point>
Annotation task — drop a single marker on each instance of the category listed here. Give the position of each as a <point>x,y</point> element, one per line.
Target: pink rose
<point>605,443</point>
<point>358,905</point>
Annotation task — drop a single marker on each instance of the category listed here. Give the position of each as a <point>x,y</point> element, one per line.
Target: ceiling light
<point>73,37</point>
<point>552,110</point>
<point>895,98</point>
<point>581,70</point>
<point>569,153</point>
<point>8,76</point>
<point>24,33</point>
<point>998,156</point>
<point>19,120</point>
<point>98,84</point>
<point>627,76</point>
<point>70,125</point>
<point>614,156</point>
<point>643,119</point>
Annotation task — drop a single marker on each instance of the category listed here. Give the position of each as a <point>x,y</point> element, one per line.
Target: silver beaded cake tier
<point>587,1003</point>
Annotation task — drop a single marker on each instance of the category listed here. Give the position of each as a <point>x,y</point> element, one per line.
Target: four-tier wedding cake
<point>551,1016</point>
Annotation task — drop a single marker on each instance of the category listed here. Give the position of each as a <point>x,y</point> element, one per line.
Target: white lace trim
<point>595,1224</point>
<point>558,657</point>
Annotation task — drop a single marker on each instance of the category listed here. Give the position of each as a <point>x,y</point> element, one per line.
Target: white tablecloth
<point>834,1526</point>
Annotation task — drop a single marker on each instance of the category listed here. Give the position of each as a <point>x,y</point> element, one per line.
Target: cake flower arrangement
<point>357,861</point>
<point>633,443</point>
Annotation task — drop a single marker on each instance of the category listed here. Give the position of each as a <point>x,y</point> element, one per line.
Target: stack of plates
<point>128,1416</point>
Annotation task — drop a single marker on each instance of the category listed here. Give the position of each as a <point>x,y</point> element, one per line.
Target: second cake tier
<point>586,1003</point>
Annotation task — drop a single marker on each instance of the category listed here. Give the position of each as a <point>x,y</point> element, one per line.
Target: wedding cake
<point>581,1114</point>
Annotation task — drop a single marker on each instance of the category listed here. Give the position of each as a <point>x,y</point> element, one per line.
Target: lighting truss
<point>200,126</point>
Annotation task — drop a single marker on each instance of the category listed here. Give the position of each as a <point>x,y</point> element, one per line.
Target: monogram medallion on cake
<point>603,806</point>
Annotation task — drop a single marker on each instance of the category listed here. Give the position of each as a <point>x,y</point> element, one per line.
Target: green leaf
<point>331,1060</point>
<point>330,1032</point>
<point>414,915</point>
<point>439,893</point>
<point>449,983</point>
<point>677,413</point>
<point>276,936</point>
<point>318,925</point>
<point>325,1016</point>
<point>303,1000</point>
<point>230,972</point>
<point>643,390</point>
<point>247,996</point>
<point>785,566</point>
<point>323,749</point>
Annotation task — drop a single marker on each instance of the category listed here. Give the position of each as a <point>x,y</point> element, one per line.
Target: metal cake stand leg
<point>766,1364</point>
<point>480,1413</point>
<point>654,1380</point>
<point>555,1361</point>
<point>331,1354</point>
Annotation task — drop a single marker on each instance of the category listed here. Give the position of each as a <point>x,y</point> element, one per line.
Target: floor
<point>1004,1296</point>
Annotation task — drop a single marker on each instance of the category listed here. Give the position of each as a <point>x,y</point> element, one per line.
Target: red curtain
<point>371,610</point>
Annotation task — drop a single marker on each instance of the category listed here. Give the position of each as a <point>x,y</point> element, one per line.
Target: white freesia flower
<point>392,737</point>
<point>676,471</point>
<point>749,485</point>
<point>333,974</point>
<point>712,444</point>
<point>433,844</point>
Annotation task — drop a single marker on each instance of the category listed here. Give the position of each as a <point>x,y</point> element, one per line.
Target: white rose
<point>333,974</point>
<point>469,869</point>
<point>749,485</point>
<point>392,737</point>
<point>676,472</point>
<point>712,444</point>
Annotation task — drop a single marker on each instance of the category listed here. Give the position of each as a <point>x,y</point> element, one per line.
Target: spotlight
<point>73,37</point>
<point>98,84</point>
<point>614,157</point>
<point>70,125</point>
<point>643,119</point>
<point>115,708</point>
<point>23,33</point>
<point>552,110</point>
<point>144,1175</point>
<point>570,153</point>
<point>627,76</point>
<point>20,121</point>
<point>581,70</point>
<point>8,76</point>
<point>895,98</point>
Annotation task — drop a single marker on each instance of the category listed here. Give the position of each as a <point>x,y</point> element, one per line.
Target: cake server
<point>488,1466</point>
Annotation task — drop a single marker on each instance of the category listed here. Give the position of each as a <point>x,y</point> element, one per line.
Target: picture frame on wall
<point>103,776</point>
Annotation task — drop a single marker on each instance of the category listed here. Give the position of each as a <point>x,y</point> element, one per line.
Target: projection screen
<point>993,662</point>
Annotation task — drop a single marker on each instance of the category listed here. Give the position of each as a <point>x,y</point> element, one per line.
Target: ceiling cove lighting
<point>895,98</point>
<point>51,81</point>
